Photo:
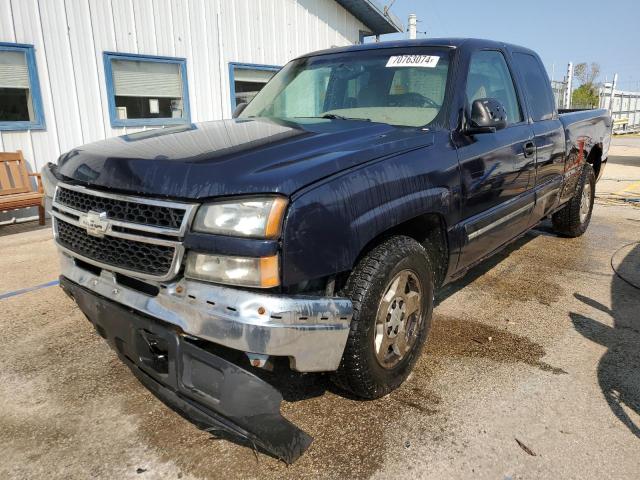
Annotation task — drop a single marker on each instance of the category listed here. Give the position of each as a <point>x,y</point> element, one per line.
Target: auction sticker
<point>425,61</point>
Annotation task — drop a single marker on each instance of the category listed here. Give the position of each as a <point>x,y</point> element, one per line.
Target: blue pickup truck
<point>310,232</point>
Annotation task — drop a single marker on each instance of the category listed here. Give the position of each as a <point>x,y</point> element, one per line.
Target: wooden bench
<point>15,185</point>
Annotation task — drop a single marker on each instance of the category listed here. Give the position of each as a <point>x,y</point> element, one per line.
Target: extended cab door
<point>547,129</point>
<point>497,169</point>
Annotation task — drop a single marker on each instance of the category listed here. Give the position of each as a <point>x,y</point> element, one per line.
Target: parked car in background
<point>311,232</point>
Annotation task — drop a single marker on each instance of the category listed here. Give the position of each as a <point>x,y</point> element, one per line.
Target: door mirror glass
<point>487,116</point>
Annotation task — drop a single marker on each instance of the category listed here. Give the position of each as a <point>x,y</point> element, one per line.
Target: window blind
<point>247,75</point>
<point>14,72</point>
<point>133,78</point>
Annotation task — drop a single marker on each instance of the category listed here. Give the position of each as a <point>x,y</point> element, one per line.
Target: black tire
<point>571,221</point>
<point>360,371</point>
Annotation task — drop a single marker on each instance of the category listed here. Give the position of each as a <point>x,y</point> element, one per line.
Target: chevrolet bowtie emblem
<point>96,223</point>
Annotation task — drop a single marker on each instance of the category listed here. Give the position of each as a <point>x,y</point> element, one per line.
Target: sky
<point>606,32</point>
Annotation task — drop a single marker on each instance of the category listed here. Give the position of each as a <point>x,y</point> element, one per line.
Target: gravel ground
<point>532,370</point>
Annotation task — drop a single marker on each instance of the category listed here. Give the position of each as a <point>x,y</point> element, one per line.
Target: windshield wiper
<point>333,116</point>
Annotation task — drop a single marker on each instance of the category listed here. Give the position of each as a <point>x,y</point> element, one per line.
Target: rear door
<point>547,130</point>
<point>497,169</point>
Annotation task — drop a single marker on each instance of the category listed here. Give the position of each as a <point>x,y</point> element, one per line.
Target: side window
<point>536,86</point>
<point>489,77</point>
<point>20,102</point>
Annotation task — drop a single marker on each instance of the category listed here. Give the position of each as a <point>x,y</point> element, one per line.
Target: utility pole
<point>569,86</point>
<point>413,26</point>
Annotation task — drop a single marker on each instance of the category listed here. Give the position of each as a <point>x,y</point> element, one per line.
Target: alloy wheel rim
<point>585,202</point>
<point>398,319</point>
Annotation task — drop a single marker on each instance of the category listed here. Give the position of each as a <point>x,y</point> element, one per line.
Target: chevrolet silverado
<point>313,228</point>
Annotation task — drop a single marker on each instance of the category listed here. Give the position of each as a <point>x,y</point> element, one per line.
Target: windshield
<point>396,86</point>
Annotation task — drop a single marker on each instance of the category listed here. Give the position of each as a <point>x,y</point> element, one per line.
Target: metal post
<point>613,90</point>
<point>413,26</point>
<point>569,86</point>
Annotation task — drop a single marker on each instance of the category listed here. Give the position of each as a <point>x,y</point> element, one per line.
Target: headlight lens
<point>241,271</point>
<point>260,217</point>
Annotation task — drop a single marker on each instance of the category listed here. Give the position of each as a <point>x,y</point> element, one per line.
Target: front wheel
<point>392,293</point>
<point>574,218</point>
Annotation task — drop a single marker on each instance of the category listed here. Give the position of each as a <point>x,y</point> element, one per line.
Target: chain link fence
<point>559,93</point>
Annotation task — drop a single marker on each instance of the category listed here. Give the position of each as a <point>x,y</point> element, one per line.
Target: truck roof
<point>448,42</point>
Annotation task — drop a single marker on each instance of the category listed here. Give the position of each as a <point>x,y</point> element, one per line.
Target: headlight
<point>241,271</point>
<point>257,217</point>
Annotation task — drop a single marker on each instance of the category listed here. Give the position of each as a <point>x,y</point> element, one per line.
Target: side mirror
<point>239,109</point>
<point>487,116</point>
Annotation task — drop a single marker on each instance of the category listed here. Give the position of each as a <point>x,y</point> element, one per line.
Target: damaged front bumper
<point>310,331</point>
<point>168,339</point>
<point>217,395</point>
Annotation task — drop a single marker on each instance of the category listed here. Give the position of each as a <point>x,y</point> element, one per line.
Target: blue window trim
<point>145,122</point>
<point>246,66</point>
<point>34,85</point>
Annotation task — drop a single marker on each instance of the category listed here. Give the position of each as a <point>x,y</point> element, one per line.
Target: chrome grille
<point>136,236</point>
<point>133,256</point>
<point>123,209</point>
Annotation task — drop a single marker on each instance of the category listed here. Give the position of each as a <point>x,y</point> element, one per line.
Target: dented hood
<point>233,157</point>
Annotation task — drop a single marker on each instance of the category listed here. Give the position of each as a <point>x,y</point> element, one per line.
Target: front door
<point>497,169</point>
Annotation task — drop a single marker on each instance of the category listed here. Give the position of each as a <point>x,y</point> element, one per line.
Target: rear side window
<point>489,77</point>
<point>536,86</point>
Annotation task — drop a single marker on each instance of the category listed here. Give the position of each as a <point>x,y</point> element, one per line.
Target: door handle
<point>529,149</point>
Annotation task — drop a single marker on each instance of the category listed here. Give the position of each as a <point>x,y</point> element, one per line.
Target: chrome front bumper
<point>311,331</point>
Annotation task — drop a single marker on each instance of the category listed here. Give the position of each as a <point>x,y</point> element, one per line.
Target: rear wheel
<point>392,293</point>
<point>574,218</point>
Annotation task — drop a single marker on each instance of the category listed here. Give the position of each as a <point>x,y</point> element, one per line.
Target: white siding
<point>70,37</point>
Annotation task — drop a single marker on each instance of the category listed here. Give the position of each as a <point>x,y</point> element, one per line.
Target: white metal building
<point>77,71</point>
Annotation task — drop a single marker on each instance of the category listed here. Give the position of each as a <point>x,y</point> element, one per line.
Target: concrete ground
<point>532,370</point>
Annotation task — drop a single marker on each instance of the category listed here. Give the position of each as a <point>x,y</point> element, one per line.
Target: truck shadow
<point>619,368</point>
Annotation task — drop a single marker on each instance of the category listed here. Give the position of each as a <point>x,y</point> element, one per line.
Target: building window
<point>146,90</point>
<point>20,101</point>
<point>246,80</point>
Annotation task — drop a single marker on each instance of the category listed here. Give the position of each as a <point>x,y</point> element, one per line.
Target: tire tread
<point>353,374</point>
<point>567,220</point>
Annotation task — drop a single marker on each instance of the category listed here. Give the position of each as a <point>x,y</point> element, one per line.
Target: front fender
<point>328,226</point>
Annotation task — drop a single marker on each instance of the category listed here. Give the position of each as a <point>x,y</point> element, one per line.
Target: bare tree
<point>586,95</point>
<point>587,74</point>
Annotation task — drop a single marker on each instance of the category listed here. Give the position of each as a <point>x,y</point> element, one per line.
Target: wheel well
<point>595,159</point>
<point>430,231</point>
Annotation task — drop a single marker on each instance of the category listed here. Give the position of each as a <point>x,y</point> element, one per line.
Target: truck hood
<point>234,157</point>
